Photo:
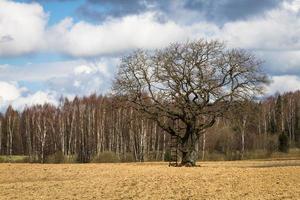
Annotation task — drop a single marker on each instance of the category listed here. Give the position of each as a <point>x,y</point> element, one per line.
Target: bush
<point>2,160</point>
<point>256,154</point>
<point>233,155</point>
<point>152,156</point>
<point>71,159</point>
<point>283,141</point>
<point>128,157</point>
<point>57,157</point>
<point>214,156</point>
<point>106,157</point>
<point>33,159</point>
<point>167,156</point>
<point>14,159</point>
<point>272,146</point>
<point>26,159</point>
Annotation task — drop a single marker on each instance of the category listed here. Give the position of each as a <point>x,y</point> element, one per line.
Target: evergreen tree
<point>283,142</point>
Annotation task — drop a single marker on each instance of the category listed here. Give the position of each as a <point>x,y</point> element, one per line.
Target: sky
<point>54,48</point>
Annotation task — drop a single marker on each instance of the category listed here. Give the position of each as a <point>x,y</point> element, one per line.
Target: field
<point>212,180</point>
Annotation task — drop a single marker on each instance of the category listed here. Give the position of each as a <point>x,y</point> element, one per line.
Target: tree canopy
<point>186,86</point>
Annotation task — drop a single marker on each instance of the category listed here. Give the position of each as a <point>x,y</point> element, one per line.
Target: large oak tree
<point>186,86</point>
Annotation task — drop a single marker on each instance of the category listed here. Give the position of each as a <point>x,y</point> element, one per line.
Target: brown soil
<point>212,180</point>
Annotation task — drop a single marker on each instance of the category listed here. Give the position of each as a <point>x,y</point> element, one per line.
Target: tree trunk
<point>164,147</point>
<point>243,136</point>
<point>189,149</point>
<point>203,145</point>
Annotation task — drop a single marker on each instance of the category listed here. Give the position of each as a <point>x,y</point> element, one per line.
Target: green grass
<point>293,154</point>
<point>252,155</point>
<point>14,159</point>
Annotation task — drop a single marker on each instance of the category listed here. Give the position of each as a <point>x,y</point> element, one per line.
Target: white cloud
<point>67,78</point>
<point>86,78</point>
<point>9,92</point>
<point>3,67</point>
<point>19,97</point>
<point>83,39</point>
<point>101,66</point>
<point>281,62</point>
<point>83,69</point>
<point>46,71</point>
<point>77,83</point>
<point>115,35</point>
<point>38,98</point>
<point>276,29</point>
<point>283,84</point>
<point>293,6</point>
<point>40,71</point>
<point>22,28</point>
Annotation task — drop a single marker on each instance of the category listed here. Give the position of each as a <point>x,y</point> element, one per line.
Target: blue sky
<point>50,48</point>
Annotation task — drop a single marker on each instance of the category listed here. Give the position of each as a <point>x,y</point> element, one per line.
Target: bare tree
<point>187,83</point>
<point>11,123</point>
<point>241,115</point>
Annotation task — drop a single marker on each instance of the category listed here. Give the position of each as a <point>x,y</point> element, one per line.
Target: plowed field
<point>212,180</point>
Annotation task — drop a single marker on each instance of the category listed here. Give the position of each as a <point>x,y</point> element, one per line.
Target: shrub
<point>152,156</point>
<point>272,146</point>
<point>283,141</point>
<point>256,154</point>
<point>2,160</point>
<point>14,159</point>
<point>33,159</point>
<point>22,159</point>
<point>26,159</point>
<point>57,157</point>
<point>106,157</point>
<point>215,156</point>
<point>71,159</point>
<point>233,155</point>
<point>128,157</point>
<point>167,156</point>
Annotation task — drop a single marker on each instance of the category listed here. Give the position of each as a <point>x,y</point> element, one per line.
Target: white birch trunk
<point>203,145</point>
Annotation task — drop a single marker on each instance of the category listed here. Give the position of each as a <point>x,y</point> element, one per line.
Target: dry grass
<point>213,180</point>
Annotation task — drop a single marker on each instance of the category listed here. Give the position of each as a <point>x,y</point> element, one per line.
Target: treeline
<point>83,127</point>
<point>88,126</point>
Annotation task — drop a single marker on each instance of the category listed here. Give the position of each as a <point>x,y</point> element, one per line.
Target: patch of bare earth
<point>213,180</point>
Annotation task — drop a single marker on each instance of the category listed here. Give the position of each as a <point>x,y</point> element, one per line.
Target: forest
<point>89,126</point>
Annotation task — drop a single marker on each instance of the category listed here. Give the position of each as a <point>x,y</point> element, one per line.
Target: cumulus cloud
<point>49,81</point>
<point>278,29</point>
<point>37,98</point>
<point>273,35</point>
<point>280,62</point>
<point>83,69</point>
<point>283,84</point>
<point>269,31</point>
<point>86,78</point>
<point>19,97</point>
<point>120,35</point>
<point>22,27</point>
<point>9,92</point>
<point>38,71</point>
